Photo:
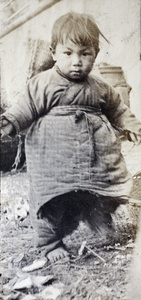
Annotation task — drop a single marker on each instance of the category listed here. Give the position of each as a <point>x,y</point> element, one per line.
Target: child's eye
<point>67,53</point>
<point>86,53</point>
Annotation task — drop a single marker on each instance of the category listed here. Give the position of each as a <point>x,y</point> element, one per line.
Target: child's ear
<point>97,51</point>
<point>53,53</point>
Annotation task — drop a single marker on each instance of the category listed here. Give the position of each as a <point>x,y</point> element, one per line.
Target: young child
<point>73,151</point>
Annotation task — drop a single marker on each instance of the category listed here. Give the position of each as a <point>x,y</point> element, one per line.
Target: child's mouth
<point>76,72</point>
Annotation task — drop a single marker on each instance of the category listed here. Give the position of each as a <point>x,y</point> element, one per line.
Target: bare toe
<point>57,254</point>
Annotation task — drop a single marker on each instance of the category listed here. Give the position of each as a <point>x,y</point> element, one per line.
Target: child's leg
<point>59,217</point>
<point>47,236</point>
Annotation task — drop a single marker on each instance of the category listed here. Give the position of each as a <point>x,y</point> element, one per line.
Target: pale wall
<point>118,20</point>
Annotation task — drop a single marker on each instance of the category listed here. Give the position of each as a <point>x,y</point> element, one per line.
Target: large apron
<point>74,148</point>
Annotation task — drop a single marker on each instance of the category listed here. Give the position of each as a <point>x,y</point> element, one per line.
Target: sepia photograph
<point>70,128</point>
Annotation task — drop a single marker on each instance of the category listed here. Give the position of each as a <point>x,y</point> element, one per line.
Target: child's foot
<point>57,254</point>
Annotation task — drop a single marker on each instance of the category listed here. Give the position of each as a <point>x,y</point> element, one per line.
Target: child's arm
<point>29,107</point>
<point>121,116</point>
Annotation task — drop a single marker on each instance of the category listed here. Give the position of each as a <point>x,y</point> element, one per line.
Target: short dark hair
<point>79,28</point>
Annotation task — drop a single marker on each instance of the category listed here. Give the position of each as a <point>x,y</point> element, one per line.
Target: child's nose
<point>76,60</point>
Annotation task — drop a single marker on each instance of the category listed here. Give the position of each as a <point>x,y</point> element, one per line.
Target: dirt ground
<point>96,270</point>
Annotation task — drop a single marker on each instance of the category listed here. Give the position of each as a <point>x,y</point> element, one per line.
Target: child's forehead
<point>73,46</point>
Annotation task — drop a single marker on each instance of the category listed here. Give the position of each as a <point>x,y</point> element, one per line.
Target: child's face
<point>75,61</point>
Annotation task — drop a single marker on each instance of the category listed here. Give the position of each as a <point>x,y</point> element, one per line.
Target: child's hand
<point>6,127</point>
<point>136,139</point>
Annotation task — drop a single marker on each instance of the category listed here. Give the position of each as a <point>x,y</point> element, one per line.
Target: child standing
<point>73,152</point>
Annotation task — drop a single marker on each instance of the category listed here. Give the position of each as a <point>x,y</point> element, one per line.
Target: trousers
<point>61,215</point>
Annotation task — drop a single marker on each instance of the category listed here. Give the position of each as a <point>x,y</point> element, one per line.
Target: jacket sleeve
<point>29,107</point>
<point>119,115</point>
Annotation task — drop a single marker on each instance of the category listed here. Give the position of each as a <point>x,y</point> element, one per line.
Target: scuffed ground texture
<point>97,270</point>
